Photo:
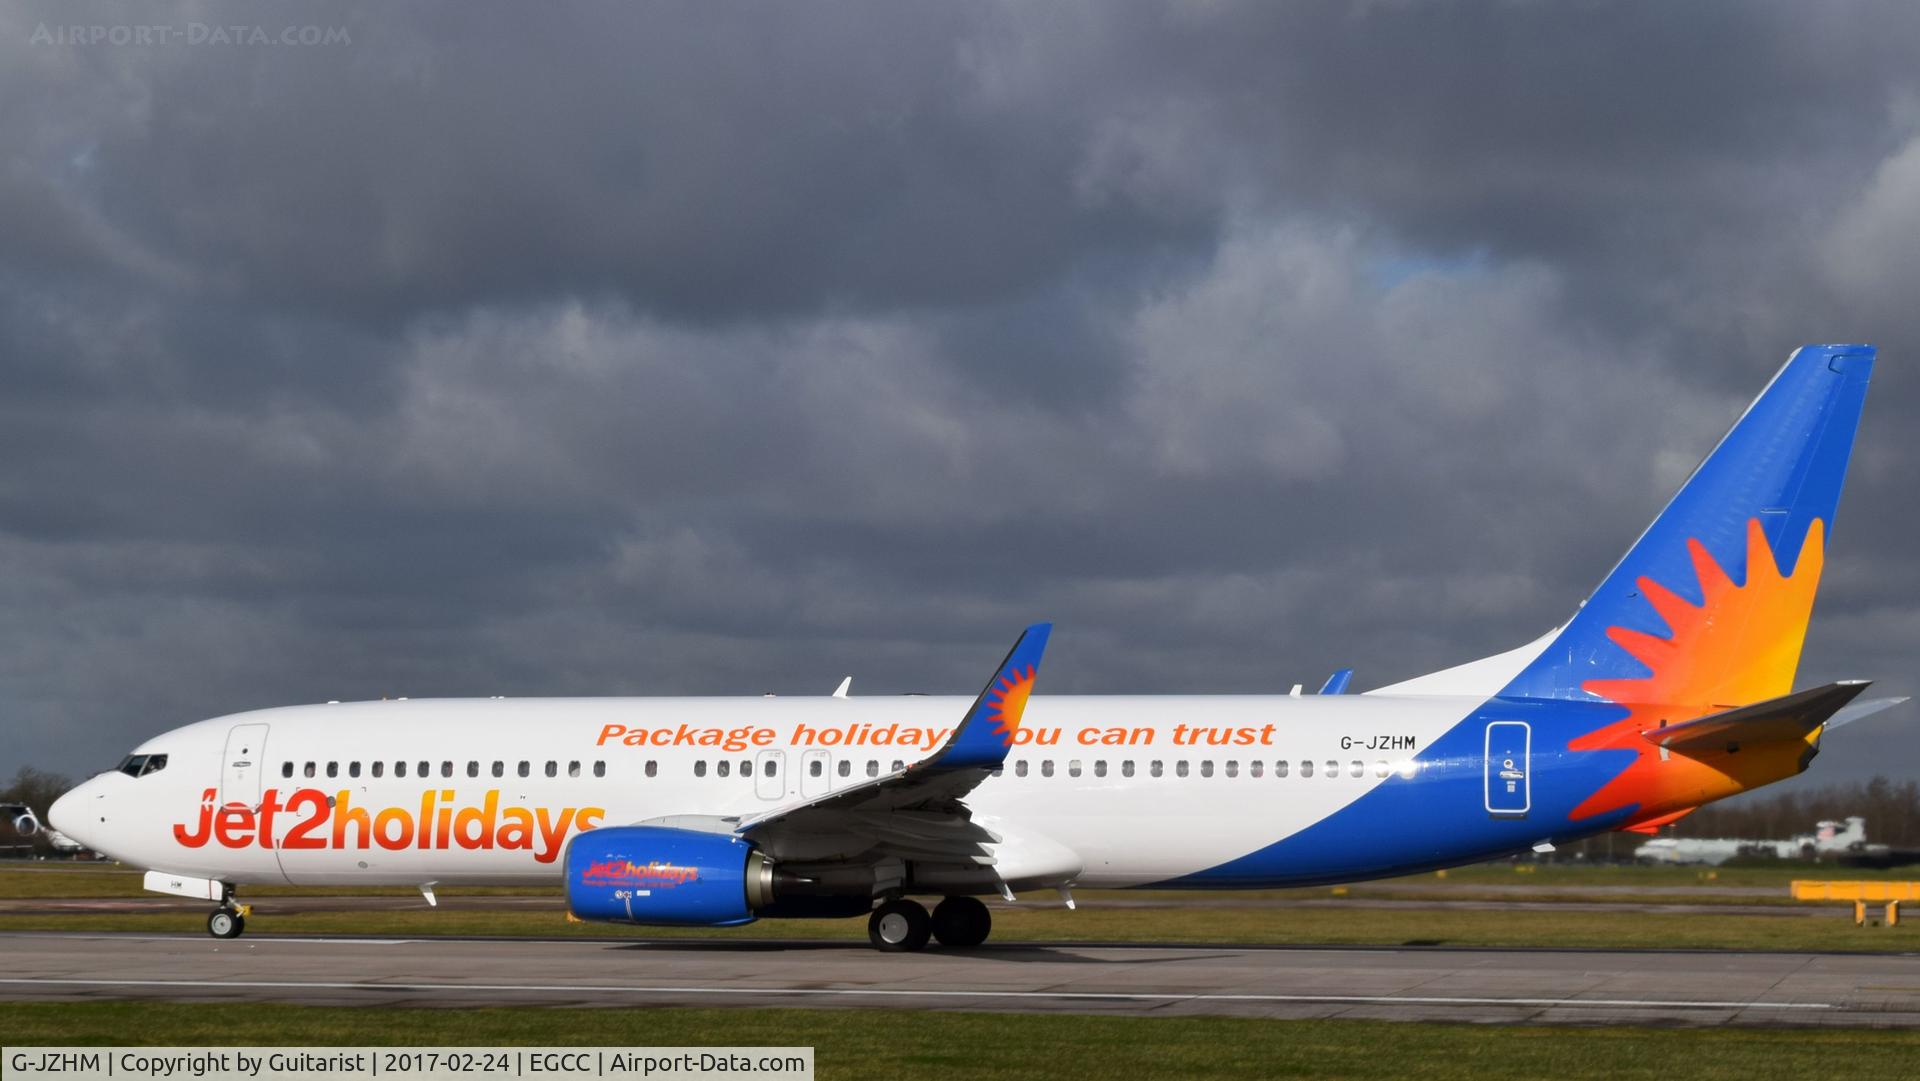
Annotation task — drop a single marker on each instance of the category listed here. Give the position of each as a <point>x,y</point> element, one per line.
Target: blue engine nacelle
<point>652,874</point>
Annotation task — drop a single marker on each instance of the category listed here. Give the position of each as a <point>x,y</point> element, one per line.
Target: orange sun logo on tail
<point>1739,645</point>
<point>1008,700</point>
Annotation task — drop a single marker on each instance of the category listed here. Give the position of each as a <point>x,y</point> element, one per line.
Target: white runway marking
<point>119,936</point>
<point>854,992</point>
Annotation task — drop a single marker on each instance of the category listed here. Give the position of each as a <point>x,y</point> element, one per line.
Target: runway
<point>289,904</point>
<point>1695,988</point>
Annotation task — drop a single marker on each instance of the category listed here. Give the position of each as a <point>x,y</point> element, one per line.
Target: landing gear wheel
<point>899,926</point>
<point>225,923</point>
<point>961,923</point>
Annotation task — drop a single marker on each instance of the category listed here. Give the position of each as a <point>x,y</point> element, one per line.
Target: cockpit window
<point>139,765</point>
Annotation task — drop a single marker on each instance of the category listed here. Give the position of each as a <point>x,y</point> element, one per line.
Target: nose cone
<point>69,814</point>
<point>60,815</point>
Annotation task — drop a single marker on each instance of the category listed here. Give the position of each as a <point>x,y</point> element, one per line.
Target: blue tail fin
<point>1710,605</point>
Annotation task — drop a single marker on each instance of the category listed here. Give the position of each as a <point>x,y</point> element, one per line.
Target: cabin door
<point>243,764</point>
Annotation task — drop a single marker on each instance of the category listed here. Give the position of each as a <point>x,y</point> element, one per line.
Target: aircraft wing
<point>1788,717</point>
<point>918,812</point>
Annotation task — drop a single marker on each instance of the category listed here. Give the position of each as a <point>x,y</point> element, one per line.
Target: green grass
<point>896,1046</point>
<point>1279,926</point>
<point>1140,916</point>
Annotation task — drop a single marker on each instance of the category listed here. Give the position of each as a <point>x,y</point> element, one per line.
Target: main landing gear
<point>961,923</point>
<point>901,926</point>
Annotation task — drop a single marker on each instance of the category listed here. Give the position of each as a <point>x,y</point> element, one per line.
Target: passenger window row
<point>1206,768</point>
<point>1074,768</point>
<point>724,768</point>
<point>137,765</point>
<point>770,767</point>
<point>425,769</point>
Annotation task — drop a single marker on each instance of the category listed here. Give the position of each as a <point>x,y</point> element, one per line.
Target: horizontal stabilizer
<point>1789,717</point>
<point>1864,707</point>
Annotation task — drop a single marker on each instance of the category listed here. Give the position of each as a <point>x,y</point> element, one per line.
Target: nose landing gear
<point>229,920</point>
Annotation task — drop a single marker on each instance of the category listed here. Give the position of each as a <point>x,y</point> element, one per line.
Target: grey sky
<point>693,348</point>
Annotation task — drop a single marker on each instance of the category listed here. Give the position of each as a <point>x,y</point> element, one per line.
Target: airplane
<point>25,824</point>
<point>1829,838</point>
<point>1669,687</point>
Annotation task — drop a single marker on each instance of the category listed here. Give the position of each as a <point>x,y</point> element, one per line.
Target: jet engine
<point>661,875</point>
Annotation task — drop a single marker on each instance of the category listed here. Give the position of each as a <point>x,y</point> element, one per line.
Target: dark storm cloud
<point>680,349</point>
<point>706,164</point>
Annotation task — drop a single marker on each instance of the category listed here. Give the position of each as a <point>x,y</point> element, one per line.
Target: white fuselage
<point>1140,789</point>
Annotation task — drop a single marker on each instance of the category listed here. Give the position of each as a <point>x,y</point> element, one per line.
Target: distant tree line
<point>1891,808</point>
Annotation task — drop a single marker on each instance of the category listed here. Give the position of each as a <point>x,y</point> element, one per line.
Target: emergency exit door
<point>769,779</point>
<point>1509,769</point>
<point>816,774</point>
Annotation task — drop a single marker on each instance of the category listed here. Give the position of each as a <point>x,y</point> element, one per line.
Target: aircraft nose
<point>69,813</point>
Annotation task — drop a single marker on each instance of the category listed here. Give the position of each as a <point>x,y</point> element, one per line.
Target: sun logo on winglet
<point>1007,700</point>
<point>1739,645</point>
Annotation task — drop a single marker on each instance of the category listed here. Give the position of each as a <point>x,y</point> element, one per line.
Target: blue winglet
<point>1337,682</point>
<point>986,733</point>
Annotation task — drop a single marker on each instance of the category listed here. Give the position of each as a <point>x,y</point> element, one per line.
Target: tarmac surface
<point>1669,988</point>
<point>289,904</point>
